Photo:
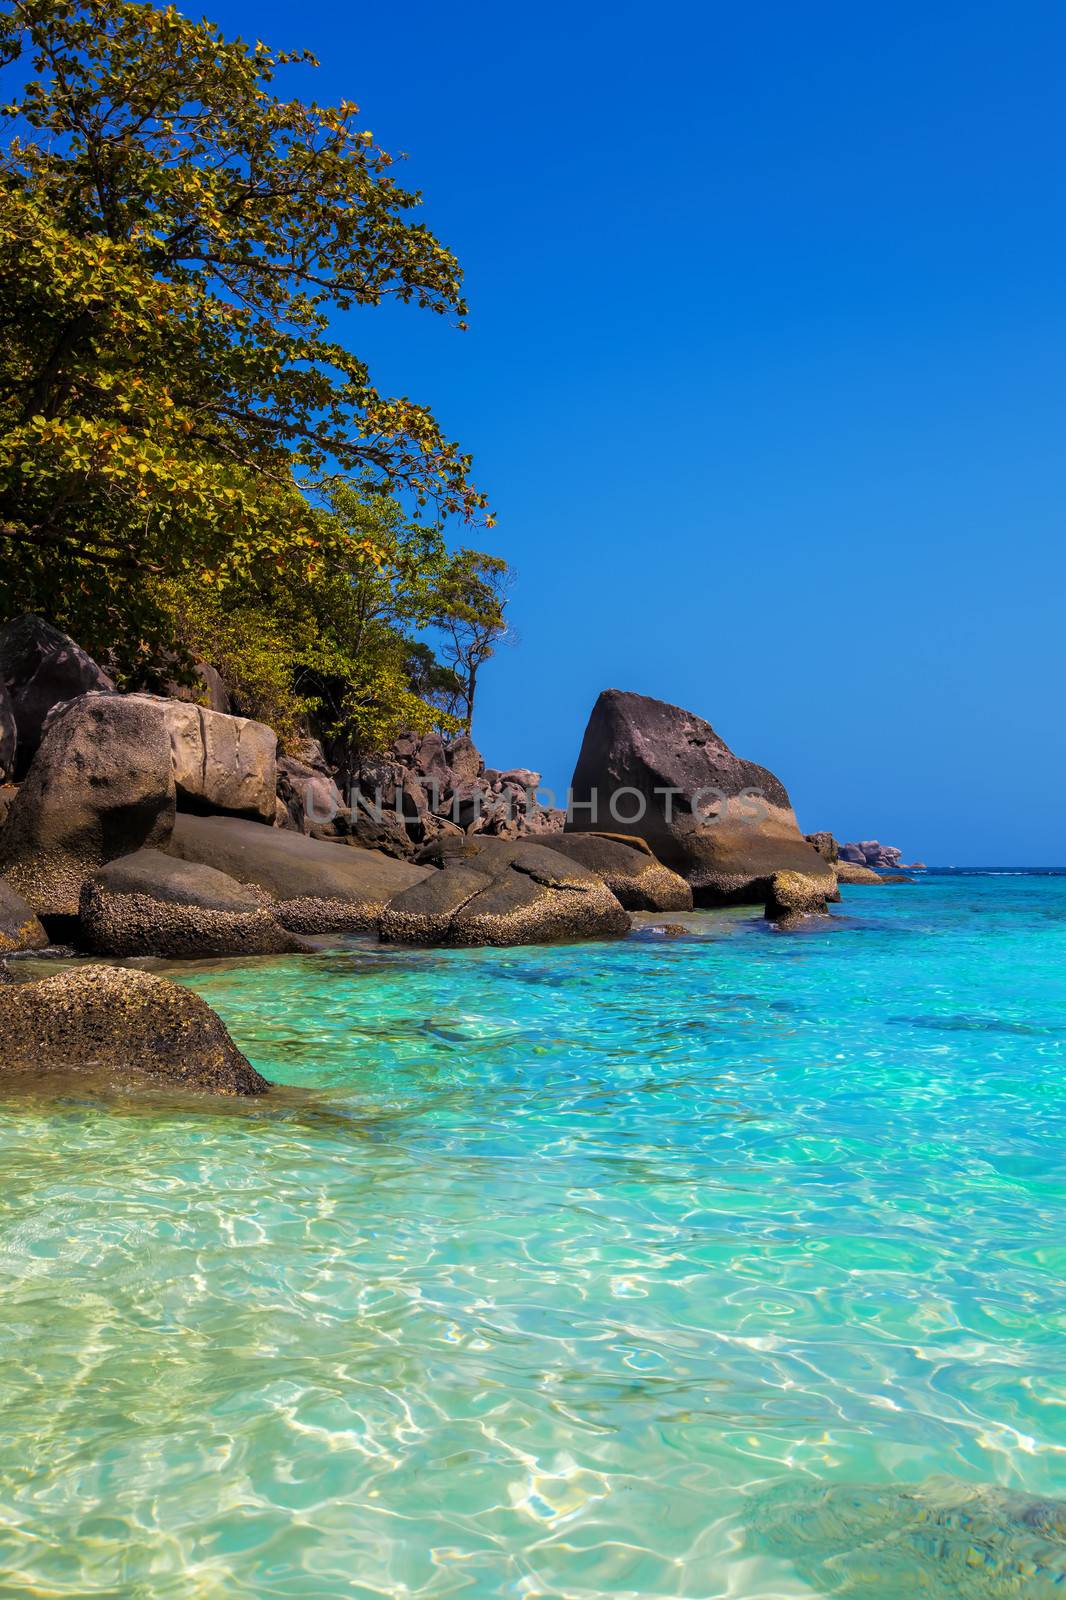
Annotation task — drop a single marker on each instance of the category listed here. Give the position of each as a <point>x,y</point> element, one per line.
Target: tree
<point>471,619</point>
<point>173,238</point>
<point>354,650</point>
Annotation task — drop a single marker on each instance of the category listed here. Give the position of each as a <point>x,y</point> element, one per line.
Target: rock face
<point>880,857</point>
<point>825,845</point>
<point>19,927</point>
<point>498,892</point>
<point>221,763</point>
<point>41,667</point>
<point>636,879</point>
<point>310,795</point>
<point>726,825</point>
<point>209,690</point>
<point>8,735</point>
<point>100,786</point>
<point>795,896</point>
<point>149,904</point>
<point>317,887</point>
<point>123,1028</point>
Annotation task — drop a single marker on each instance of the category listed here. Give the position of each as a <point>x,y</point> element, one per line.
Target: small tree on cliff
<point>472,622</point>
<point>173,236</point>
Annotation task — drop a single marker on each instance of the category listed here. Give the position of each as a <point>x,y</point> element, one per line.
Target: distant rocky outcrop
<point>723,824</point>
<point>121,1028</point>
<point>439,787</point>
<point>869,853</point>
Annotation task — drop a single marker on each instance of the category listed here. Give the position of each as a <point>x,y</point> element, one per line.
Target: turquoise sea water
<point>730,1264</point>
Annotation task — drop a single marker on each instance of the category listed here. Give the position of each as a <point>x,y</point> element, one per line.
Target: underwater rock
<point>942,1539</point>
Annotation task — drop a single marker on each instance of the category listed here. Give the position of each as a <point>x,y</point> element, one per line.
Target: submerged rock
<point>942,1539</point>
<point>150,904</point>
<point>725,825</point>
<point>121,1027</point>
<point>317,887</point>
<point>100,786</point>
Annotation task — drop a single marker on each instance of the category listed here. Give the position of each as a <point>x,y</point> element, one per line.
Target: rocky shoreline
<point>136,825</point>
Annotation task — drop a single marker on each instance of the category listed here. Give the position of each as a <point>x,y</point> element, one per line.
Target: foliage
<point>173,239</point>
<point>355,649</point>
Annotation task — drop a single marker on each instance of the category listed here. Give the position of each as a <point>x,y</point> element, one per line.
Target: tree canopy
<point>177,419</point>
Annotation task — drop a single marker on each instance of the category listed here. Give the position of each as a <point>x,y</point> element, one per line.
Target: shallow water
<point>599,1271</point>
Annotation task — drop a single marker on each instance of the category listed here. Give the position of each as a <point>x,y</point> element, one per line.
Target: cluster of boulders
<point>869,862</point>
<point>164,825</point>
<point>423,789</point>
<point>879,857</point>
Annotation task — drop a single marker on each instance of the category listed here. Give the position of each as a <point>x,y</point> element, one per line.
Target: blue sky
<point>765,377</point>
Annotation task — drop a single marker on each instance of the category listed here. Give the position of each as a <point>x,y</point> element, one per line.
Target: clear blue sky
<point>766,376</point>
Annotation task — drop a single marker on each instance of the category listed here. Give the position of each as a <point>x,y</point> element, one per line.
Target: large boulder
<point>852,872</point>
<point>123,1028</point>
<point>636,879</point>
<point>318,887</point>
<point>826,846</point>
<point>653,770</point>
<point>495,892</point>
<point>221,763</point>
<point>101,786</point>
<point>19,926</point>
<point>8,734</point>
<point>794,896</point>
<point>40,668</point>
<point>150,904</point>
